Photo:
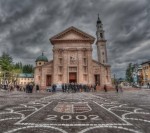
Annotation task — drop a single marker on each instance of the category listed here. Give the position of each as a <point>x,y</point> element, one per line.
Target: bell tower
<point>101,42</point>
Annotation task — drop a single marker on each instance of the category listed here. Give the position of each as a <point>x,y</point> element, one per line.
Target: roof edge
<point>71,28</point>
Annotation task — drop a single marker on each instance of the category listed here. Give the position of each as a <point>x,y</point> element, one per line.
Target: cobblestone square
<point>98,112</point>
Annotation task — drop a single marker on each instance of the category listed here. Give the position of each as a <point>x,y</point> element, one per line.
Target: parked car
<point>135,86</point>
<point>49,89</point>
<point>58,87</point>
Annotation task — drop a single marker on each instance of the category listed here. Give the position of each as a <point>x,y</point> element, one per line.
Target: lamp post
<point>0,76</point>
<point>114,79</point>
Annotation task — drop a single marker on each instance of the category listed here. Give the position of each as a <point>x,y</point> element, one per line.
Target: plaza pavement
<point>98,112</point>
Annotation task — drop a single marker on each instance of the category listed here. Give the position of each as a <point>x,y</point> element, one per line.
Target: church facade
<point>72,60</point>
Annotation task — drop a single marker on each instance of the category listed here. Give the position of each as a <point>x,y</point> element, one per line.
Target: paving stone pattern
<point>99,112</point>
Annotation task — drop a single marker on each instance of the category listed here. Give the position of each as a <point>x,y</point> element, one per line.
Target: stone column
<point>43,78</point>
<point>90,66</point>
<point>55,66</point>
<point>109,76</point>
<point>103,75</point>
<point>80,67</point>
<point>65,66</point>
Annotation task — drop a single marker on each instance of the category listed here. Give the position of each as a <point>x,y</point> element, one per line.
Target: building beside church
<point>25,78</point>
<point>146,72</point>
<point>72,59</point>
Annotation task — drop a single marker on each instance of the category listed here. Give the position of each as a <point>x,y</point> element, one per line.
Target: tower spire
<point>101,42</point>
<point>98,19</point>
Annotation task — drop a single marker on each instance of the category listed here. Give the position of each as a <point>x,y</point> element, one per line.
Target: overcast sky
<point>27,25</point>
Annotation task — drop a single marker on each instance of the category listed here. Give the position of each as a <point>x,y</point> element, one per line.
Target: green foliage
<point>7,65</point>
<point>10,71</point>
<point>129,72</point>
<point>18,65</point>
<point>28,68</point>
<point>6,62</point>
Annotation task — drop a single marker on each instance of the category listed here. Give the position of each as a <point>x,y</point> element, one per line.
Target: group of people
<point>12,87</point>
<point>67,87</point>
<point>74,87</point>
<point>27,88</point>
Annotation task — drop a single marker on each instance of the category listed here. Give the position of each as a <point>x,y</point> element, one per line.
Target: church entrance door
<point>97,79</point>
<point>48,80</point>
<point>72,77</point>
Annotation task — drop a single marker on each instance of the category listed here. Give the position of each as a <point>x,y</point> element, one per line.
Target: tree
<point>6,62</point>
<point>129,72</point>
<point>18,65</point>
<point>11,71</point>
<point>28,68</point>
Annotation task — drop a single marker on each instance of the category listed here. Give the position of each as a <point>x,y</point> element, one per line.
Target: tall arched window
<point>101,35</point>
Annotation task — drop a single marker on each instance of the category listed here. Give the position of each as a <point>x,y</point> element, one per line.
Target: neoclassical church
<point>72,59</point>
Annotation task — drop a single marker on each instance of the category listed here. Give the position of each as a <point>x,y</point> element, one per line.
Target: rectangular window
<point>101,35</point>
<point>72,69</point>
<point>85,69</point>
<point>60,61</point>
<point>85,61</point>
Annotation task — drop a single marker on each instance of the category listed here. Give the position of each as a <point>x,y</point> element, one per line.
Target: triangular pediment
<point>72,33</point>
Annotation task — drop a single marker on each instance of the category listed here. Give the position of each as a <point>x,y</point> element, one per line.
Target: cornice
<point>56,41</point>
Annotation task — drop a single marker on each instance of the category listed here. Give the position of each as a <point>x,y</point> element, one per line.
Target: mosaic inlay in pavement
<point>75,112</point>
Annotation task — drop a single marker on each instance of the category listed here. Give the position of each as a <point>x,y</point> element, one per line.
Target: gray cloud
<point>26,26</point>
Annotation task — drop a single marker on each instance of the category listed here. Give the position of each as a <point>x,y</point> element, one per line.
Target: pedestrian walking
<point>120,87</point>
<point>37,88</point>
<point>17,87</point>
<point>95,87</point>
<point>81,87</point>
<point>27,88</point>
<point>148,85</point>
<point>105,88</point>
<point>30,88</point>
<point>53,88</point>
<point>63,87</point>
<point>11,88</point>
<point>116,87</point>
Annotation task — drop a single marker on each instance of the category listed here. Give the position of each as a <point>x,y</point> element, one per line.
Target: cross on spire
<point>43,52</point>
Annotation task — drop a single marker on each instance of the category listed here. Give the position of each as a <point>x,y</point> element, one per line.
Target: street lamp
<point>0,77</point>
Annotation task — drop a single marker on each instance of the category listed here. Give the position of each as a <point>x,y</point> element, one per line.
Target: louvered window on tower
<point>101,35</point>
